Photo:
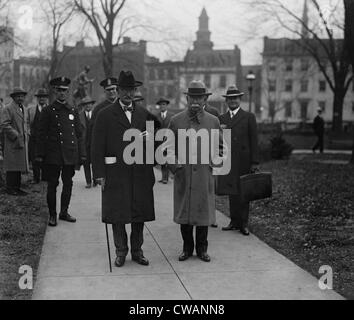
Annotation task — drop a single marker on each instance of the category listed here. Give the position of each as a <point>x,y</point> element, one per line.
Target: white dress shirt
<point>88,114</point>
<point>128,113</point>
<point>234,112</point>
<point>164,115</point>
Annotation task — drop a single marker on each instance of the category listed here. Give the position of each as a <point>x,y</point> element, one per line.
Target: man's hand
<point>101,182</point>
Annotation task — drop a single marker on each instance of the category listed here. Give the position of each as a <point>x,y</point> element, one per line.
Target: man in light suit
<point>244,145</point>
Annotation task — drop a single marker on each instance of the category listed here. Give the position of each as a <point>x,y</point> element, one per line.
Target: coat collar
<point>18,109</point>
<point>118,111</point>
<point>58,105</point>
<point>232,122</point>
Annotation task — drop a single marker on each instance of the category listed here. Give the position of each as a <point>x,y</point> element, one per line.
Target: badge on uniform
<point>71,117</point>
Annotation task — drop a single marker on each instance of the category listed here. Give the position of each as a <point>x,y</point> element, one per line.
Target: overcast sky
<point>232,22</point>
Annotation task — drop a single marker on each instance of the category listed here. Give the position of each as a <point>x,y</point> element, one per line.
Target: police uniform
<point>60,145</point>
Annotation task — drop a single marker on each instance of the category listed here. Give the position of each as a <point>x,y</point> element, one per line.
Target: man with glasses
<point>60,148</point>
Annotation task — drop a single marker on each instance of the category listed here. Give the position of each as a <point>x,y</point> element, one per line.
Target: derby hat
<point>109,83</point>
<point>162,100</point>
<point>41,93</point>
<point>127,80</point>
<point>86,100</point>
<point>60,83</point>
<point>17,91</point>
<point>197,88</point>
<point>233,91</point>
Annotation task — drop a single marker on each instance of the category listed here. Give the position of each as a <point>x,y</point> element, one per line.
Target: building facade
<point>7,48</point>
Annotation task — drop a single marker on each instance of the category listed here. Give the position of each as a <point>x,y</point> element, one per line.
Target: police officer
<point>60,148</point>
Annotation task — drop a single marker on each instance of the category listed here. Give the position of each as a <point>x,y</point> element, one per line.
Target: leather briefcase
<point>255,186</point>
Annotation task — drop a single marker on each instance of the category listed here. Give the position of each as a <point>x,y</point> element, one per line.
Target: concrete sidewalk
<point>74,263</point>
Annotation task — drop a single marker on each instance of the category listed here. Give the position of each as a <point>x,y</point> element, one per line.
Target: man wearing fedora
<point>34,113</point>
<point>244,157</point>
<point>14,125</point>
<point>127,189</point>
<point>85,118</point>
<point>164,117</point>
<point>60,148</point>
<point>194,184</point>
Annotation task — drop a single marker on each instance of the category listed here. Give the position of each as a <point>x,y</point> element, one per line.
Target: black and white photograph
<point>176,156</point>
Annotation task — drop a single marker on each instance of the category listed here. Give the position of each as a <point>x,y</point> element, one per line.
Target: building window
<point>152,74</point>
<point>322,105</point>
<point>161,74</point>
<point>304,85</point>
<point>170,91</point>
<point>304,107</point>
<point>304,64</point>
<point>272,85</point>
<point>288,109</point>
<point>207,80</point>
<point>222,81</point>
<point>289,65</point>
<point>271,111</point>
<point>288,85</point>
<point>272,67</point>
<point>322,85</point>
<point>161,91</point>
<point>171,73</point>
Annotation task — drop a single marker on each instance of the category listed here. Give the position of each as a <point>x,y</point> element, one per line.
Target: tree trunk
<point>108,62</point>
<point>338,111</point>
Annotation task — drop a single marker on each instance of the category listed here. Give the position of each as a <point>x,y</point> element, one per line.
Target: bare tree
<point>323,49</point>
<point>349,41</point>
<point>57,14</point>
<point>103,18</point>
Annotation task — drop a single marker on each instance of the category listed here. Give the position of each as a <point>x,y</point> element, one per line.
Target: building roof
<point>210,58</point>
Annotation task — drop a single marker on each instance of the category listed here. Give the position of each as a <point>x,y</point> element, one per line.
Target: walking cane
<point>109,250</point>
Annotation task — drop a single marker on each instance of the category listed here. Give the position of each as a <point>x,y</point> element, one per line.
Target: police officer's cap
<point>109,83</point>
<point>60,83</point>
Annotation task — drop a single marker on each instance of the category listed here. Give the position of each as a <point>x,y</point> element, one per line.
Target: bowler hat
<point>86,100</point>
<point>109,83</point>
<point>162,100</point>
<point>127,80</point>
<point>233,91</point>
<point>41,93</point>
<point>60,83</point>
<point>197,88</point>
<point>17,91</point>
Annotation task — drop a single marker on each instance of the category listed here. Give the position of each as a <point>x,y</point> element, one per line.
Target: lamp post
<point>250,78</point>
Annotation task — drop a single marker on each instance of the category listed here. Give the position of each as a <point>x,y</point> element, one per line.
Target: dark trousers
<point>201,239</point>
<point>121,239</point>
<point>53,173</point>
<point>319,143</point>
<point>37,169</point>
<point>239,211</point>
<point>165,172</point>
<point>88,172</point>
<point>13,179</point>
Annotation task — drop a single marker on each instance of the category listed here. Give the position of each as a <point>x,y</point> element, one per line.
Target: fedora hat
<point>233,91</point>
<point>60,83</point>
<point>197,88</point>
<point>41,93</point>
<point>17,91</point>
<point>127,80</point>
<point>162,100</point>
<point>109,83</point>
<point>86,100</point>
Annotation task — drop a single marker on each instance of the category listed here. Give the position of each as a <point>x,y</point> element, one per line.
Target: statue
<point>84,84</point>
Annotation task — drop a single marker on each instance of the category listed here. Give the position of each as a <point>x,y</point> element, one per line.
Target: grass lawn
<point>310,218</point>
<point>23,223</point>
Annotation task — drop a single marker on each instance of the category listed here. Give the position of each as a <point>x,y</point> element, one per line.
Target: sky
<point>175,22</point>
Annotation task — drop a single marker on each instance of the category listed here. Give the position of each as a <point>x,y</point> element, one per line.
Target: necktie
<point>129,108</point>
<point>21,107</point>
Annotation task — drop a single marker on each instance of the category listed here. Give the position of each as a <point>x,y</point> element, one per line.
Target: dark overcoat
<point>33,119</point>
<point>164,122</point>
<point>244,149</point>
<point>128,193</point>
<point>60,141</point>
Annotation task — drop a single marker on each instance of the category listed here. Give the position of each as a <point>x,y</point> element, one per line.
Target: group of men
<point>64,138</point>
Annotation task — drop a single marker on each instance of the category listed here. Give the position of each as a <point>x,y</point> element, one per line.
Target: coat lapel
<point>122,118</point>
<point>18,110</point>
<point>240,114</point>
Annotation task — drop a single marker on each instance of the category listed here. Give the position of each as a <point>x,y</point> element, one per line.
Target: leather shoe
<point>67,217</point>
<point>184,256</point>
<point>52,221</point>
<point>204,257</point>
<point>245,231</point>
<point>229,227</point>
<point>141,260</point>
<point>119,262</point>
<point>214,225</point>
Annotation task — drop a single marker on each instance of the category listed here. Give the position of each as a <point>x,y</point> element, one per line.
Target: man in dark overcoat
<point>34,114</point>
<point>244,157</point>
<point>319,129</point>
<point>127,189</point>
<point>164,116</point>
<point>85,118</point>
<point>60,148</point>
